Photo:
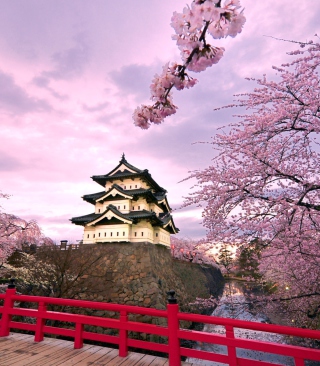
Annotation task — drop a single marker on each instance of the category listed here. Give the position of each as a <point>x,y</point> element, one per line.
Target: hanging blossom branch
<point>191,27</point>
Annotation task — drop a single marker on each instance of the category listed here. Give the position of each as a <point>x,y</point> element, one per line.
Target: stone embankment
<point>142,274</point>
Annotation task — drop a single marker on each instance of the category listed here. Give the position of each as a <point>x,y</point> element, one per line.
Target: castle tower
<point>131,208</point>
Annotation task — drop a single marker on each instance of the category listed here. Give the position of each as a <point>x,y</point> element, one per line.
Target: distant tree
<point>192,251</point>
<point>225,259</point>
<point>16,233</point>
<point>191,27</point>
<point>248,259</point>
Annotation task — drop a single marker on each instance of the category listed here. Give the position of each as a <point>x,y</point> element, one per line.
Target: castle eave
<point>83,220</point>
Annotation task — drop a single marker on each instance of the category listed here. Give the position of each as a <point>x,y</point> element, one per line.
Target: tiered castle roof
<point>112,215</point>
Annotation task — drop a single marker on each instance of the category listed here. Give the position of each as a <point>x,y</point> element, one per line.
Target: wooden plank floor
<point>21,350</point>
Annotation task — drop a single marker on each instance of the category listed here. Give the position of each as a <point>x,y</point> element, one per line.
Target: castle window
<point>105,234</point>
<point>135,233</point>
<point>132,207</point>
<point>151,210</point>
<point>94,235</point>
<point>99,210</point>
<point>130,187</point>
<point>123,233</point>
<point>118,207</point>
<point>141,233</point>
<point>138,207</point>
<point>88,236</point>
<point>99,235</point>
<point>136,186</point>
<point>111,233</point>
<point>117,233</point>
<point>124,207</point>
<point>156,235</point>
<point>125,187</point>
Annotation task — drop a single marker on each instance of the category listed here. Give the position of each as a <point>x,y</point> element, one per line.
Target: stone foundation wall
<point>142,274</point>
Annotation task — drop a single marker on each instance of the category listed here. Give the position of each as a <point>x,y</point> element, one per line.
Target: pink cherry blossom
<point>192,251</point>
<point>191,27</point>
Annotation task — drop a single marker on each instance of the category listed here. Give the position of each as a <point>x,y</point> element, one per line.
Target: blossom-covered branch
<point>191,28</point>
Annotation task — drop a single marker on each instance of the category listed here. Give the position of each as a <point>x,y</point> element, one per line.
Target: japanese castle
<point>131,208</point>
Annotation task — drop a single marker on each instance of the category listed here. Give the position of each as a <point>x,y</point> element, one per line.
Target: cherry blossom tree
<point>16,233</point>
<point>191,27</point>
<point>193,251</point>
<point>265,182</point>
<point>50,271</point>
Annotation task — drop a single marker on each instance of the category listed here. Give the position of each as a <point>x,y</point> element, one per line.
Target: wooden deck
<point>20,350</point>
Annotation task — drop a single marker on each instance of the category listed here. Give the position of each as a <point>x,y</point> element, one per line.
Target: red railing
<point>172,331</point>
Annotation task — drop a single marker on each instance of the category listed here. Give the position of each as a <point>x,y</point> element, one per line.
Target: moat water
<point>233,304</point>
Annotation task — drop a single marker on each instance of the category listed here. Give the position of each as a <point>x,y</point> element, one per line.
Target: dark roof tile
<point>81,220</point>
<point>140,214</point>
<point>91,198</point>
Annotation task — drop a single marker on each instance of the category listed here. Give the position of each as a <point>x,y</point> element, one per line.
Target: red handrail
<point>173,332</point>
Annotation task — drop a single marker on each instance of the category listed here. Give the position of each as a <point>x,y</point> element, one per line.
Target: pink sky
<point>71,74</point>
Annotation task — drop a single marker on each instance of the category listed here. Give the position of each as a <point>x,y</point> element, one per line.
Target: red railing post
<point>7,306</point>
<point>123,335</point>
<point>78,339</point>
<point>299,362</point>
<point>173,328</point>
<point>232,353</point>
<point>41,320</point>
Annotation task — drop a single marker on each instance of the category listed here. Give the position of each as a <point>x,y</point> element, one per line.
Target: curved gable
<point>110,214</point>
<point>113,193</point>
<point>122,169</point>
